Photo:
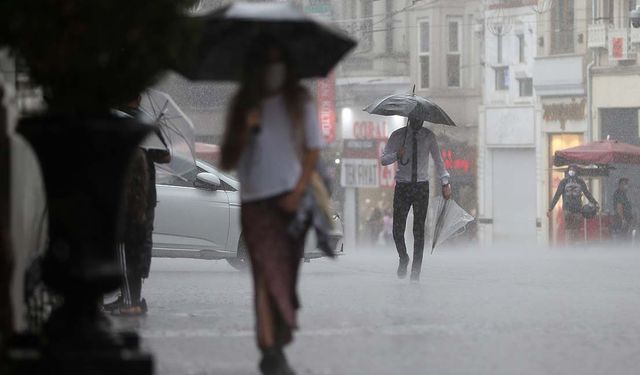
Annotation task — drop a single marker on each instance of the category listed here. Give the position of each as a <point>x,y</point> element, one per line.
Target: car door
<point>190,219</point>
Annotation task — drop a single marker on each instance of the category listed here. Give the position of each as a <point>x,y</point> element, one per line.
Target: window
<point>453,52</point>
<point>525,87</point>
<point>562,19</point>
<point>502,78</point>
<point>521,54</point>
<point>363,27</point>
<point>389,27</point>
<point>606,12</point>
<point>166,177</point>
<point>499,49</point>
<point>423,52</point>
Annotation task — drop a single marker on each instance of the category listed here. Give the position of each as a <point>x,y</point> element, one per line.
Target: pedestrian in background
<point>273,140</point>
<point>387,228</point>
<point>410,147</point>
<point>135,225</point>
<point>138,260</point>
<point>623,219</point>
<point>571,189</point>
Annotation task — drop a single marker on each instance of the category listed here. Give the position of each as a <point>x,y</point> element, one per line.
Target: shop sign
<point>565,111</point>
<point>453,163</point>
<point>618,44</point>
<point>326,102</point>
<point>370,129</point>
<point>360,173</point>
<point>360,149</point>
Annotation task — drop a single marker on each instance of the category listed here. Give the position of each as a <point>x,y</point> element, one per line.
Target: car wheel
<point>241,261</point>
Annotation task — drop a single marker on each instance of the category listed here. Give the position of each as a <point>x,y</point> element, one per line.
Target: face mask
<point>415,125</point>
<point>572,173</point>
<point>275,75</point>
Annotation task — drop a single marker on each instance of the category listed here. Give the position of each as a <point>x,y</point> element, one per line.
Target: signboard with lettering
<point>326,102</point>
<point>360,173</point>
<point>362,125</point>
<point>618,44</point>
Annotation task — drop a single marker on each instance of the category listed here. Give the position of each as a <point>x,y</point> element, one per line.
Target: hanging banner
<point>326,103</point>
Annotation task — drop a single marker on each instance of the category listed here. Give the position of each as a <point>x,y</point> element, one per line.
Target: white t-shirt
<point>270,165</point>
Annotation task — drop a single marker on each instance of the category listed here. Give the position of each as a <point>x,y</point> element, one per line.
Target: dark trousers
<point>407,195</point>
<point>131,288</point>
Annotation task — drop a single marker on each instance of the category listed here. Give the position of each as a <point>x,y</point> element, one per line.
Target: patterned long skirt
<point>275,261</point>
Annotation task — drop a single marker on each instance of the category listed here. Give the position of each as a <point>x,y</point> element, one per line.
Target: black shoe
<point>143,306</point>
<point>402,267</point>
<point>113,306</point>
<point>274,363</point>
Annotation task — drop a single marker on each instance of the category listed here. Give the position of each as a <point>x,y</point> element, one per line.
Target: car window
<point>166,177</point>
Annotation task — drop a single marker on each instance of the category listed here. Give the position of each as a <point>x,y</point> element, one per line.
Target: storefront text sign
<point>326,102</point>
<point>360,173</point>
<point>370,129</point>
<point>565,111</point>
<point>618,44</point>
<point>453,163</point>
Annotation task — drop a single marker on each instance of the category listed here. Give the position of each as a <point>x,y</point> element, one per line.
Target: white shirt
<point>270,164</point>
<point>427,145</point>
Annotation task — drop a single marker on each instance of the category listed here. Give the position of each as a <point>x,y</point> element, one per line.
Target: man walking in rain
<point>571,189</point>
<point>410,147</point>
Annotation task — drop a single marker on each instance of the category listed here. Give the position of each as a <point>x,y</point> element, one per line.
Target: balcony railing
<point>597,36</point>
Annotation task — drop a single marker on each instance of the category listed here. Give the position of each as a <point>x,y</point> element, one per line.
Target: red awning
<point>599,152</point>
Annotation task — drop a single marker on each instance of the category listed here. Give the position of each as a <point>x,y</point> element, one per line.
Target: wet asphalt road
<point>510,311</point>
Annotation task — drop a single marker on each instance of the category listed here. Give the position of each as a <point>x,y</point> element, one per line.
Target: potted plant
<point>88,56</point>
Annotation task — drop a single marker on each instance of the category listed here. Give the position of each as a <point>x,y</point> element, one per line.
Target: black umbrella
<point>230,31</point>
<point>411,106</point>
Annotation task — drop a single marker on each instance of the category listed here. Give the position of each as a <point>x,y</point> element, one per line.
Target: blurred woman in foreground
<point>273,140</point>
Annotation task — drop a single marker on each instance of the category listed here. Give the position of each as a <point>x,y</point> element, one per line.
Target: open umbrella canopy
<point>599,152</point>
<point>411,106</point>
<point>445,220</point>
<point>176,131</point>
<point>230,31</point>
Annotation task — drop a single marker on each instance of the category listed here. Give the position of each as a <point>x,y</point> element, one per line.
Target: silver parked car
<point>198,216</point>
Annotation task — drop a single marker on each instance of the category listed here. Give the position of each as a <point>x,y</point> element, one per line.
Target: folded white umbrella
<point>445,220</point>
<point>176,133</point>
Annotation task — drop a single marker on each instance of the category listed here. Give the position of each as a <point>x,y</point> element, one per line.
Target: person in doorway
<point>623,219</point>
<point>410,147</point>
<point>273,140</point>
<point>374,224</point>
<point>571,189</point>
<point>387,228</point>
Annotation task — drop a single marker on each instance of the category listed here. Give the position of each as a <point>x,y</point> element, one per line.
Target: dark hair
<point>623,180</point>
<point>251,93</point>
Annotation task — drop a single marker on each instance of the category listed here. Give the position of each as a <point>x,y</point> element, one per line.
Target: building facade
<point>508,172</point>
<point>561,83</point>
<point>615,88</point>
